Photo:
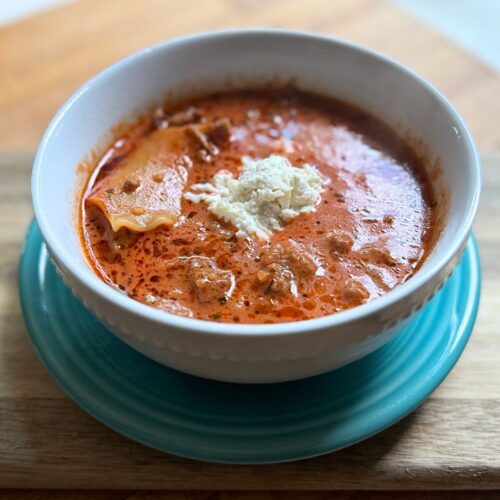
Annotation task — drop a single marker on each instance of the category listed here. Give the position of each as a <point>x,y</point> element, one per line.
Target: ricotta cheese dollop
<point>268,192</point>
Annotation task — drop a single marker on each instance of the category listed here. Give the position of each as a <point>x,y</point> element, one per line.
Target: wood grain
<point>44,59</point>
<point>451,442</point>
<point>421,452</point>
<point>243,495</point>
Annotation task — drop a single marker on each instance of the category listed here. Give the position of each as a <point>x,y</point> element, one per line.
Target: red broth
<point>372,229</point>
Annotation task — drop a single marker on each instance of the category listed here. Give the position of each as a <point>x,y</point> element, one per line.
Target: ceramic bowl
<point>237,59</point>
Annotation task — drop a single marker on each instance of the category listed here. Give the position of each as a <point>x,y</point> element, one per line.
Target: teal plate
<point>231,423</point>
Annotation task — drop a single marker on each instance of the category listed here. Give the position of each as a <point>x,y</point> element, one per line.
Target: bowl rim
<point>399,293</point>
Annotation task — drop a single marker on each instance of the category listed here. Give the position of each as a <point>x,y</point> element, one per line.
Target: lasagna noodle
<point>145,189</point>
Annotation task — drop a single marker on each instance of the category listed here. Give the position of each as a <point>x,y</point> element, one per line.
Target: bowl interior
<point>239,59</point>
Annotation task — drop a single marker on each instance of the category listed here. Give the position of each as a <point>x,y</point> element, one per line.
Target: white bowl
<point>242,58</point>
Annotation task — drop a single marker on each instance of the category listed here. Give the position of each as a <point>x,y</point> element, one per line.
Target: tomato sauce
<point>372,229</point>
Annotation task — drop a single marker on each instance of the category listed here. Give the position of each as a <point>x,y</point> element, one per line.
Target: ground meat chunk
<point>301,264</point>
<point>204,148</point>
<point>388,219</point>
<point>219,132</point>
<point>340,243</point>
<point>283,267</point>
<point>271,255</point>
<point>294,258</point>
<point>277,279</point>
<point>354,292</point>
<point>208,138</point>
<point>208,281</point>
<point>375,255</point>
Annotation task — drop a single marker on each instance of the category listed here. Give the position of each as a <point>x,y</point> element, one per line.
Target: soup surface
<point>370,225</point>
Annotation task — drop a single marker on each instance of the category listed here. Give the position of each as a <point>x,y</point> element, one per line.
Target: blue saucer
<point>220,422</point>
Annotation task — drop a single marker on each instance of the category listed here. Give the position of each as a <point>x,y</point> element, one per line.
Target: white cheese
<point>267,193</point>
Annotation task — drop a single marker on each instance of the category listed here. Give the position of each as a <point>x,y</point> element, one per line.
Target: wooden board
<point>451,442</point>
<point>44,59</point>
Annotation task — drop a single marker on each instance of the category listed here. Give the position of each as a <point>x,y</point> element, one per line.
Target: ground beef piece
<point>208,281</point>
<point>340,243</point>
<point>301,264</point>
<point>204,148</point>
<point>375,255</point>
<point>219,132</point>
<point>283,267</point>
<point>208,138</point>
<point>354,292</point>
<point>294,258</point>
<point>277,279</point>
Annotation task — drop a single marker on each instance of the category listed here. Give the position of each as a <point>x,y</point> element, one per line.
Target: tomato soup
<point>360,223</point>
